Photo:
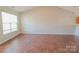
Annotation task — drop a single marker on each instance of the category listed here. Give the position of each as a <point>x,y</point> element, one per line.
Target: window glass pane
<point>6,32</point>
<point>9,22</point>
<point>13,30</point>
<point>13,25</point>
<point>6,26</point>
<point>13,19</point>
<point>6,17</point>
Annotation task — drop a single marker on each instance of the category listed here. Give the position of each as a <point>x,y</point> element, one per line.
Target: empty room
<point>39,29</point>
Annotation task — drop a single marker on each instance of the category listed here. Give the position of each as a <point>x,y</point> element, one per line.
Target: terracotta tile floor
<point>41,44</point>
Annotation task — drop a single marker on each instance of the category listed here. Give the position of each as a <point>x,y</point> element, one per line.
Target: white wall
<point>4,38</point>
<point>48,20</point>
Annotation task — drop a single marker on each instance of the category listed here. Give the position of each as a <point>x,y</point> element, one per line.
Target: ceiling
<point>74,9</point>
<point>71,8</point>
<point>21,8</point>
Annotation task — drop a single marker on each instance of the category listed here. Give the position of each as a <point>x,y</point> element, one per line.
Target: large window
<point>9,22</point>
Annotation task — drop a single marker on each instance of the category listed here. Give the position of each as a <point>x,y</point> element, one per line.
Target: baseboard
<point>51,34</point>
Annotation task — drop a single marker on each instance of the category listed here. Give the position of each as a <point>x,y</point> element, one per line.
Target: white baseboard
<point>52,33</point>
